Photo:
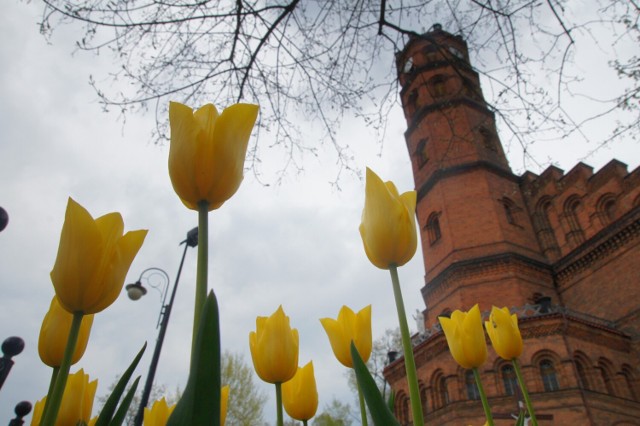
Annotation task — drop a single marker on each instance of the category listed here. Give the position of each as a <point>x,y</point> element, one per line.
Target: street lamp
<point>22,409</point>
<point>136,291</point>
<point>11,347</point>
<point>4,218</point>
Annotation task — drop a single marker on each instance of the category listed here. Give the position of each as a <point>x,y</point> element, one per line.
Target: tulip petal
<point>231,137</point>
<point>339,345</point>
<point>183,153</point>
<point>125,251</point>
<point>79,253</point>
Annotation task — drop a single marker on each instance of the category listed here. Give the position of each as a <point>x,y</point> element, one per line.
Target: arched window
<point>423,399</point>
<point>437,86</point>
<point>443,392</point>
<point>511,211</point>
<point>470,384</point>
<point>548,374</point>
<point>575,235</point>
<point>606,208</point>
<point>629,379</point>
<point>440,396</point>
<point>421,152</point>
<point>402,409</point>
<point>509,379</point>
<point>433,228</point>
<point>581,369</point>
<point>605,372</point>
<point>488,139</point>
<point>543,228</point>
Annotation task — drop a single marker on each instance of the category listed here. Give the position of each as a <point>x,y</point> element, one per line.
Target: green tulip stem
<point>54,375</point>
<point>279,421</point>
<point>363,409</point>
<point>201,272</point>
<point>304,423</point>
<point>483,397</point>
<point>409,362</point>
<point>54,398</point>
<point>525,394</point>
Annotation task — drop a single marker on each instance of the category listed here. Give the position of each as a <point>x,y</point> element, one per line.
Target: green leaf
<point>120,415</point>
<point>391,401</point>
<point>520,420</point>
<point>112,402</point>
<point>200,402</point>
<point>380,412</point>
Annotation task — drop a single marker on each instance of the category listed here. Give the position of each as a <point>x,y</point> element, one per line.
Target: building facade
<point>562,250</point>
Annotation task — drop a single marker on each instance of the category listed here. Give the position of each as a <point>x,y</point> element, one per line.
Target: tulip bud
<point>465,337</point>
<point>347,328</point>
<point>207,152</point>
<point>300,395</point>
<point>504,333</point>
<point>54,334</point>
<point>388,227</point>
<point>93,259</point>
<point>274,348</point>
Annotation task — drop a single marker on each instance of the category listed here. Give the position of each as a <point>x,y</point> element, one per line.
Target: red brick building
<point>560,249</point>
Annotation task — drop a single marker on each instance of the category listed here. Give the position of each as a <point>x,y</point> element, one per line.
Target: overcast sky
<point>296,244</point>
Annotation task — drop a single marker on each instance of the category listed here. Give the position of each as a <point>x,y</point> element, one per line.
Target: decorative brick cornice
<point>479,265</point>
<point>491,167</point>
<point>601,246</point>
<point>423,112</point>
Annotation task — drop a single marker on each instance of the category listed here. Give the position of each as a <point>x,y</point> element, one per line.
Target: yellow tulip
<point>300,395</point>
<point>274,348</point>
<point>504,333</point>
<point>388,227</point>
<point>38,410</point>
<point>465,337</point>
<point>93,259</point>
<point>207,152</point>
<point>349,327</point>
<point>224,399</point>
<point>55,332</point>
<point>158,414</point>
<point>77,401</point>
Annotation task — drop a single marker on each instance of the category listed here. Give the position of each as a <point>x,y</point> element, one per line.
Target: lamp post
<point>135,292</point>
<point>4,219</point>
<point>22,409</point>
<point>11,347</point>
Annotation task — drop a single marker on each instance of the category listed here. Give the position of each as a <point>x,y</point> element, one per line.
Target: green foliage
<point>111,405</point>
<point>200,403</point>
<point>246,401</point>
<point>378,409</point>
<point>334,414</point>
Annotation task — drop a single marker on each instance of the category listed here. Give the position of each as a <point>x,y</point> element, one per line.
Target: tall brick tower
<point>542,245</point>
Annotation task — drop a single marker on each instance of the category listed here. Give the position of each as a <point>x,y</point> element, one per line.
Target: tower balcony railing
<point>524,312</point>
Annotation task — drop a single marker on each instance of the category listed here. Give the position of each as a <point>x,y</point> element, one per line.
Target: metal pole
<point>156,353</point>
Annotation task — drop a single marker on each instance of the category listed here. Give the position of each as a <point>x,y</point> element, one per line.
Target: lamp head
<point>192,237</point>
<point>135,291</point>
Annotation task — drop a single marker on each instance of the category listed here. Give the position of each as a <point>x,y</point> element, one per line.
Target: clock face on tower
<point>455,52</point>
